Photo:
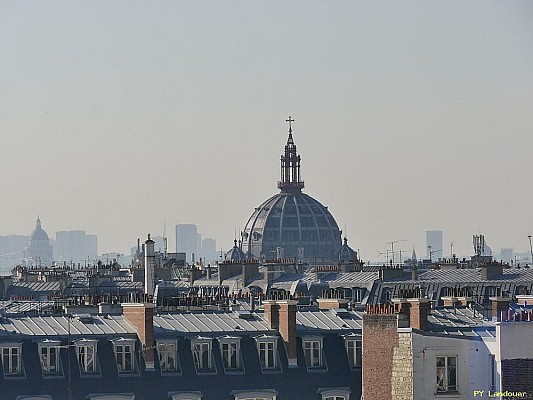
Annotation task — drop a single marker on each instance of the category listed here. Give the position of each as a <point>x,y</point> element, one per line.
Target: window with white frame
<point>111,396</point>
<point>264,394</point>
<point>12,359</point>
<point>168,356</point>
<point>358,294</point>
<point>341,393</point>
<point>313,352</point>
<point>87,357</point>
<point>125,355</point>
<point>185,395</point>
<point>231,355</point>
<point>354,350</point>
<point>446,374</point>
<point>201,351</point>
<point>267,349</point>
<point>49,357</point>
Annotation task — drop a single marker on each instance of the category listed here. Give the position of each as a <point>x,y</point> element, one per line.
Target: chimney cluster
<point>281,315</point>
<point>411,313</point>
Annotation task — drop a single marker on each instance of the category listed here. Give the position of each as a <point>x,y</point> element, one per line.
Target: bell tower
<point>290,166</point>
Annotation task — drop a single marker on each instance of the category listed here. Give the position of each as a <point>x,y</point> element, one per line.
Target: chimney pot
<point>418,315</point>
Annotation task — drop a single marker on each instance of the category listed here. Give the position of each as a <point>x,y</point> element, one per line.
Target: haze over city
<point>117,117</point>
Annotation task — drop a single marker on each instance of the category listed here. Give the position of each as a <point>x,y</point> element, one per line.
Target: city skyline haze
<point>118,118</point>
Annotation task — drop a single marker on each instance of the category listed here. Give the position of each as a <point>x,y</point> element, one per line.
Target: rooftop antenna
<point>165,238</point>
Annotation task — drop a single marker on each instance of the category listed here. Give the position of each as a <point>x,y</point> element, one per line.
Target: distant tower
<point>187,240</point>
<point>434,244</point>
<point>149,266</point>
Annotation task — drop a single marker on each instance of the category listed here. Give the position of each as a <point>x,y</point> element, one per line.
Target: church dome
<point>291,223</point>
<point>38,234</point>
<point>346,253</point>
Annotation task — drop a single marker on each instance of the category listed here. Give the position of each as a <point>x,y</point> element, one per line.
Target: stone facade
<point>402,368</point>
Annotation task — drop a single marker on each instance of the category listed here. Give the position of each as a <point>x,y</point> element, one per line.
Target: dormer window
<point>267,347</point>
<point>354,350</point>
<point>264,394</point>
<point>125,355</point>
<point>87,356</point>
<point>314,358</point>
<point>230,348</point>
<point>168,356</point>
<point>49,357</point>
<point>201,351</point>
<point>12,359</point>
<point>334,393</point>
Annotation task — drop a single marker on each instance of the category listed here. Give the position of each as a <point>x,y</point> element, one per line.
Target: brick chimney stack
<point>271,308</point>
<point>419,313</point>
<point>499,304</point>
<point>380,338</point>
<point>141,316</point>
<point>281,315</point>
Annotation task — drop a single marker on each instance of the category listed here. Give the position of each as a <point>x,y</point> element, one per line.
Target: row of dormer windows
<point>127,362</point>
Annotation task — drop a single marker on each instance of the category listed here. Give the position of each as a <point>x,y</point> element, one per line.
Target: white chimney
<point>149,266</point>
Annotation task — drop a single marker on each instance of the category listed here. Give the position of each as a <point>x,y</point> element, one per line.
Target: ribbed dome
<point>291,224</point>
<point>296,223</point>
<point>346,253</point>
<point>38,234</point>
<point>235,253</point>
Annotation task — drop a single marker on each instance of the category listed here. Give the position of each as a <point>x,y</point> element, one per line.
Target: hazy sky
<point>119,116</point>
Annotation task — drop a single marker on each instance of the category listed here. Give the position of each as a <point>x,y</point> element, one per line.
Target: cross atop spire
<point>290,120</point>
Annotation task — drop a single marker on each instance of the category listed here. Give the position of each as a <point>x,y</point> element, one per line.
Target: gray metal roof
<point>328,320</point>
<point>37,286</point>
<point>473,275</point>
<point>23,306</point>
<point>59,326</point>
<point>194,323</point>
<point>460,321</point>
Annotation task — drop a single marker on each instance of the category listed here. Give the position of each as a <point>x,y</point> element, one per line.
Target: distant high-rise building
<point>75,247</point>
<point>159,244</point>
<point>507,255</point>
<point>38,250</point>
<point>209,250</point>
<point>187,240</point>
<point>12,250</point>
<point>434,244</point>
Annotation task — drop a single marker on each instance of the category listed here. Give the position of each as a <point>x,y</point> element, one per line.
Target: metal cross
<point>290,125</point>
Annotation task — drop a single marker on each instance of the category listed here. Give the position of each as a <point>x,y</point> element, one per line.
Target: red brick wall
<point>517,376</point>
<point>419,315</point>
<point>380,337</point>
<point>272,313</point>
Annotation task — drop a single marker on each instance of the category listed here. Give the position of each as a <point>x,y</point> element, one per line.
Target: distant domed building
<point>291,223</point>
<point>235,254</point>
<point>346,254</point>
<point>38,250</point>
